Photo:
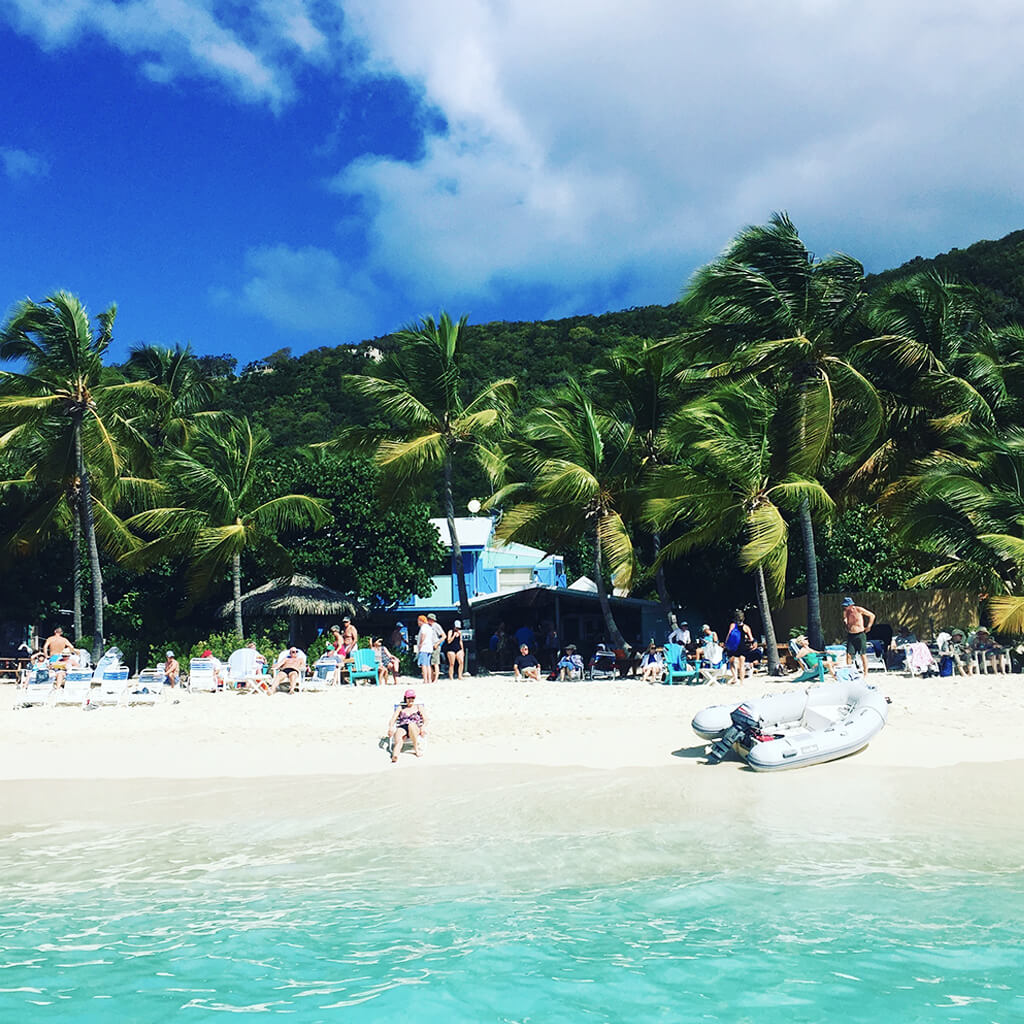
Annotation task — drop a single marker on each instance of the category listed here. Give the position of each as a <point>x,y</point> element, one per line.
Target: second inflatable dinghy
<point>791,730</point>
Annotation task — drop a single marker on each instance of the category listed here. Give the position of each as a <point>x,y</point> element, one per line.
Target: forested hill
<point>300,399</point>
<point>996,269</point>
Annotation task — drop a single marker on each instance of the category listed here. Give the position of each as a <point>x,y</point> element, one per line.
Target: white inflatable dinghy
<point>792,730</point>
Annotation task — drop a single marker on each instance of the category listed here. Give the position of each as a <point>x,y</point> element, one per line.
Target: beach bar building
<point>519,585</point>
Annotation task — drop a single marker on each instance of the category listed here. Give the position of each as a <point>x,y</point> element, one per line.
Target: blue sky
<point>306,172</point>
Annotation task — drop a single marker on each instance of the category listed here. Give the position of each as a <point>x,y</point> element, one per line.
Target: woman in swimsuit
<point>408,722</point>
<point>455,649</point>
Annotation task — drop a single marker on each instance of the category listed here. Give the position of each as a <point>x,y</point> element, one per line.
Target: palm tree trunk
<point>771,644</point>
<point>659,583</point>
<point>814,634</point>
<point>449,511</point>
<point>76,571</point>
<point>610,625</point>
<point>236,591</point>
<point>89,529</point>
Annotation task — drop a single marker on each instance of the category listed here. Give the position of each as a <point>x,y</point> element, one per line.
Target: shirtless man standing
<point>57,644</point>
<point>858,621</point>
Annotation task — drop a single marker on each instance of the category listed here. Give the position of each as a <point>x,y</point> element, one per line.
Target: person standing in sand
<point>858,621</point>
<point>425,647</point>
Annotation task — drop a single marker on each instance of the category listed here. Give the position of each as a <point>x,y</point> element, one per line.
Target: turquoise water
<point>323,910</point>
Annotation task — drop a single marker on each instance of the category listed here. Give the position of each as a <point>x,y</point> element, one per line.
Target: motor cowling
<point>745,729</point>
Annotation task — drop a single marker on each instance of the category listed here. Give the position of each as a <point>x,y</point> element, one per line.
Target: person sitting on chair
<point>652,664</point>
<point>809,661</point>
<point>291,664</point>
<point>171,670</point>
<point>570,666</point>
<point>408,722</point>
<point>387,663</point>
<point>526,665</point>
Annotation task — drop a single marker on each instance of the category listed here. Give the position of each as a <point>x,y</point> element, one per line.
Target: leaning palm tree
<point>419,392</point>
<point>938,367</point>
<point>729,481</point>
<point>767,309</point>
<point>964,507</point>
<point>70,413</point>
<point>222,514</point>
<point>571,471</point>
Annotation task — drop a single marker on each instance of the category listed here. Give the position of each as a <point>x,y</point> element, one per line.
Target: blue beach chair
<point>364,666</point>
<point>677,668</point>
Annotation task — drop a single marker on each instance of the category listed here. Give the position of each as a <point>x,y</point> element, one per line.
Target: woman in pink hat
<point>408,722</point>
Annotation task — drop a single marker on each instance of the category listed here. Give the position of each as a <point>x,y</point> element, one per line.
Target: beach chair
<point>326,672</point>
<point>364,666</point>
<point>245,671</point>
<point>677,668</point>
<point>603,664</point>
<point>385,741</point>
<point>112,688</point>
<point>35,689</point>
<point>714,664</point>
<point>202,676</point>
<point>812,674</point>
<point>77,688</point>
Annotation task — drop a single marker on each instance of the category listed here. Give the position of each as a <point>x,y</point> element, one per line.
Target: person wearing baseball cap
<point>858,621</point>
<point>409,722</point>
<point>172,670</point>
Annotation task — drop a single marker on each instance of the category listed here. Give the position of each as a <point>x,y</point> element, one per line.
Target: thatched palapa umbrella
<point>294,596</point>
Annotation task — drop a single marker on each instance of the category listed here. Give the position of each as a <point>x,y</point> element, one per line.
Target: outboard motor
<point>744,727</point>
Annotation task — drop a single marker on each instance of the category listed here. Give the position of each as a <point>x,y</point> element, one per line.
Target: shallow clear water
<point>322,910</point>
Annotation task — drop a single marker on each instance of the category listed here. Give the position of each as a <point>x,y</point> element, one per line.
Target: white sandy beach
<point>476,722</point>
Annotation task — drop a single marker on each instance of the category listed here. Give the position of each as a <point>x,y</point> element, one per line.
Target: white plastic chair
<point>202,675</point>
<point>35,689</point>
<point>77,688</point>
<point>245,668</point>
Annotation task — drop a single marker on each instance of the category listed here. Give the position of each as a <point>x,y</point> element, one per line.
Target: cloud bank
<point>594,152</point>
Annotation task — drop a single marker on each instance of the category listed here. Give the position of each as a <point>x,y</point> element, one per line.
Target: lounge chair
<point>677,668</point>
<point>202,675</point>
<point>77,688</point>
<point>35,689</point>
<point>245,671</point>
<point>811,673</point>
<point>326,672</point>
<point>364,666</point>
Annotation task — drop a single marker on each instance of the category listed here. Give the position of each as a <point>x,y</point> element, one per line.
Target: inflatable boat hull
<point>821,723</point>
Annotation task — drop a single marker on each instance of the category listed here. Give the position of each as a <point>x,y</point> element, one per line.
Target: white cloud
<point>251,53</point>
<point>18,163</point>
<point>305,289</point>
<point>591,141</point>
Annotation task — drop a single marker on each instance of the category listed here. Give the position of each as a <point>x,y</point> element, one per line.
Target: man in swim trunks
<point>290,668</point>
<point>57,644</point>
<point>858,621</point>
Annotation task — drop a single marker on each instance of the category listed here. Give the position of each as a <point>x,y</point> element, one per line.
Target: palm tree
<point>728,482</point>
<point>768,309</point>
<point>638,384</point>
<point>222,515</point>
<point>186,388</point>
<point>965,507</point>
<point>418,391</point>
<point>938,367</point>
<point>69,413</point>
<point>572,470</point>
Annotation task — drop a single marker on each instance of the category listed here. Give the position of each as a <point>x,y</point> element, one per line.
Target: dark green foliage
<point>380,555</point>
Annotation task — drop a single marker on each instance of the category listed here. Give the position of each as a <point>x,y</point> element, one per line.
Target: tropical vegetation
<point>790,424</point>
